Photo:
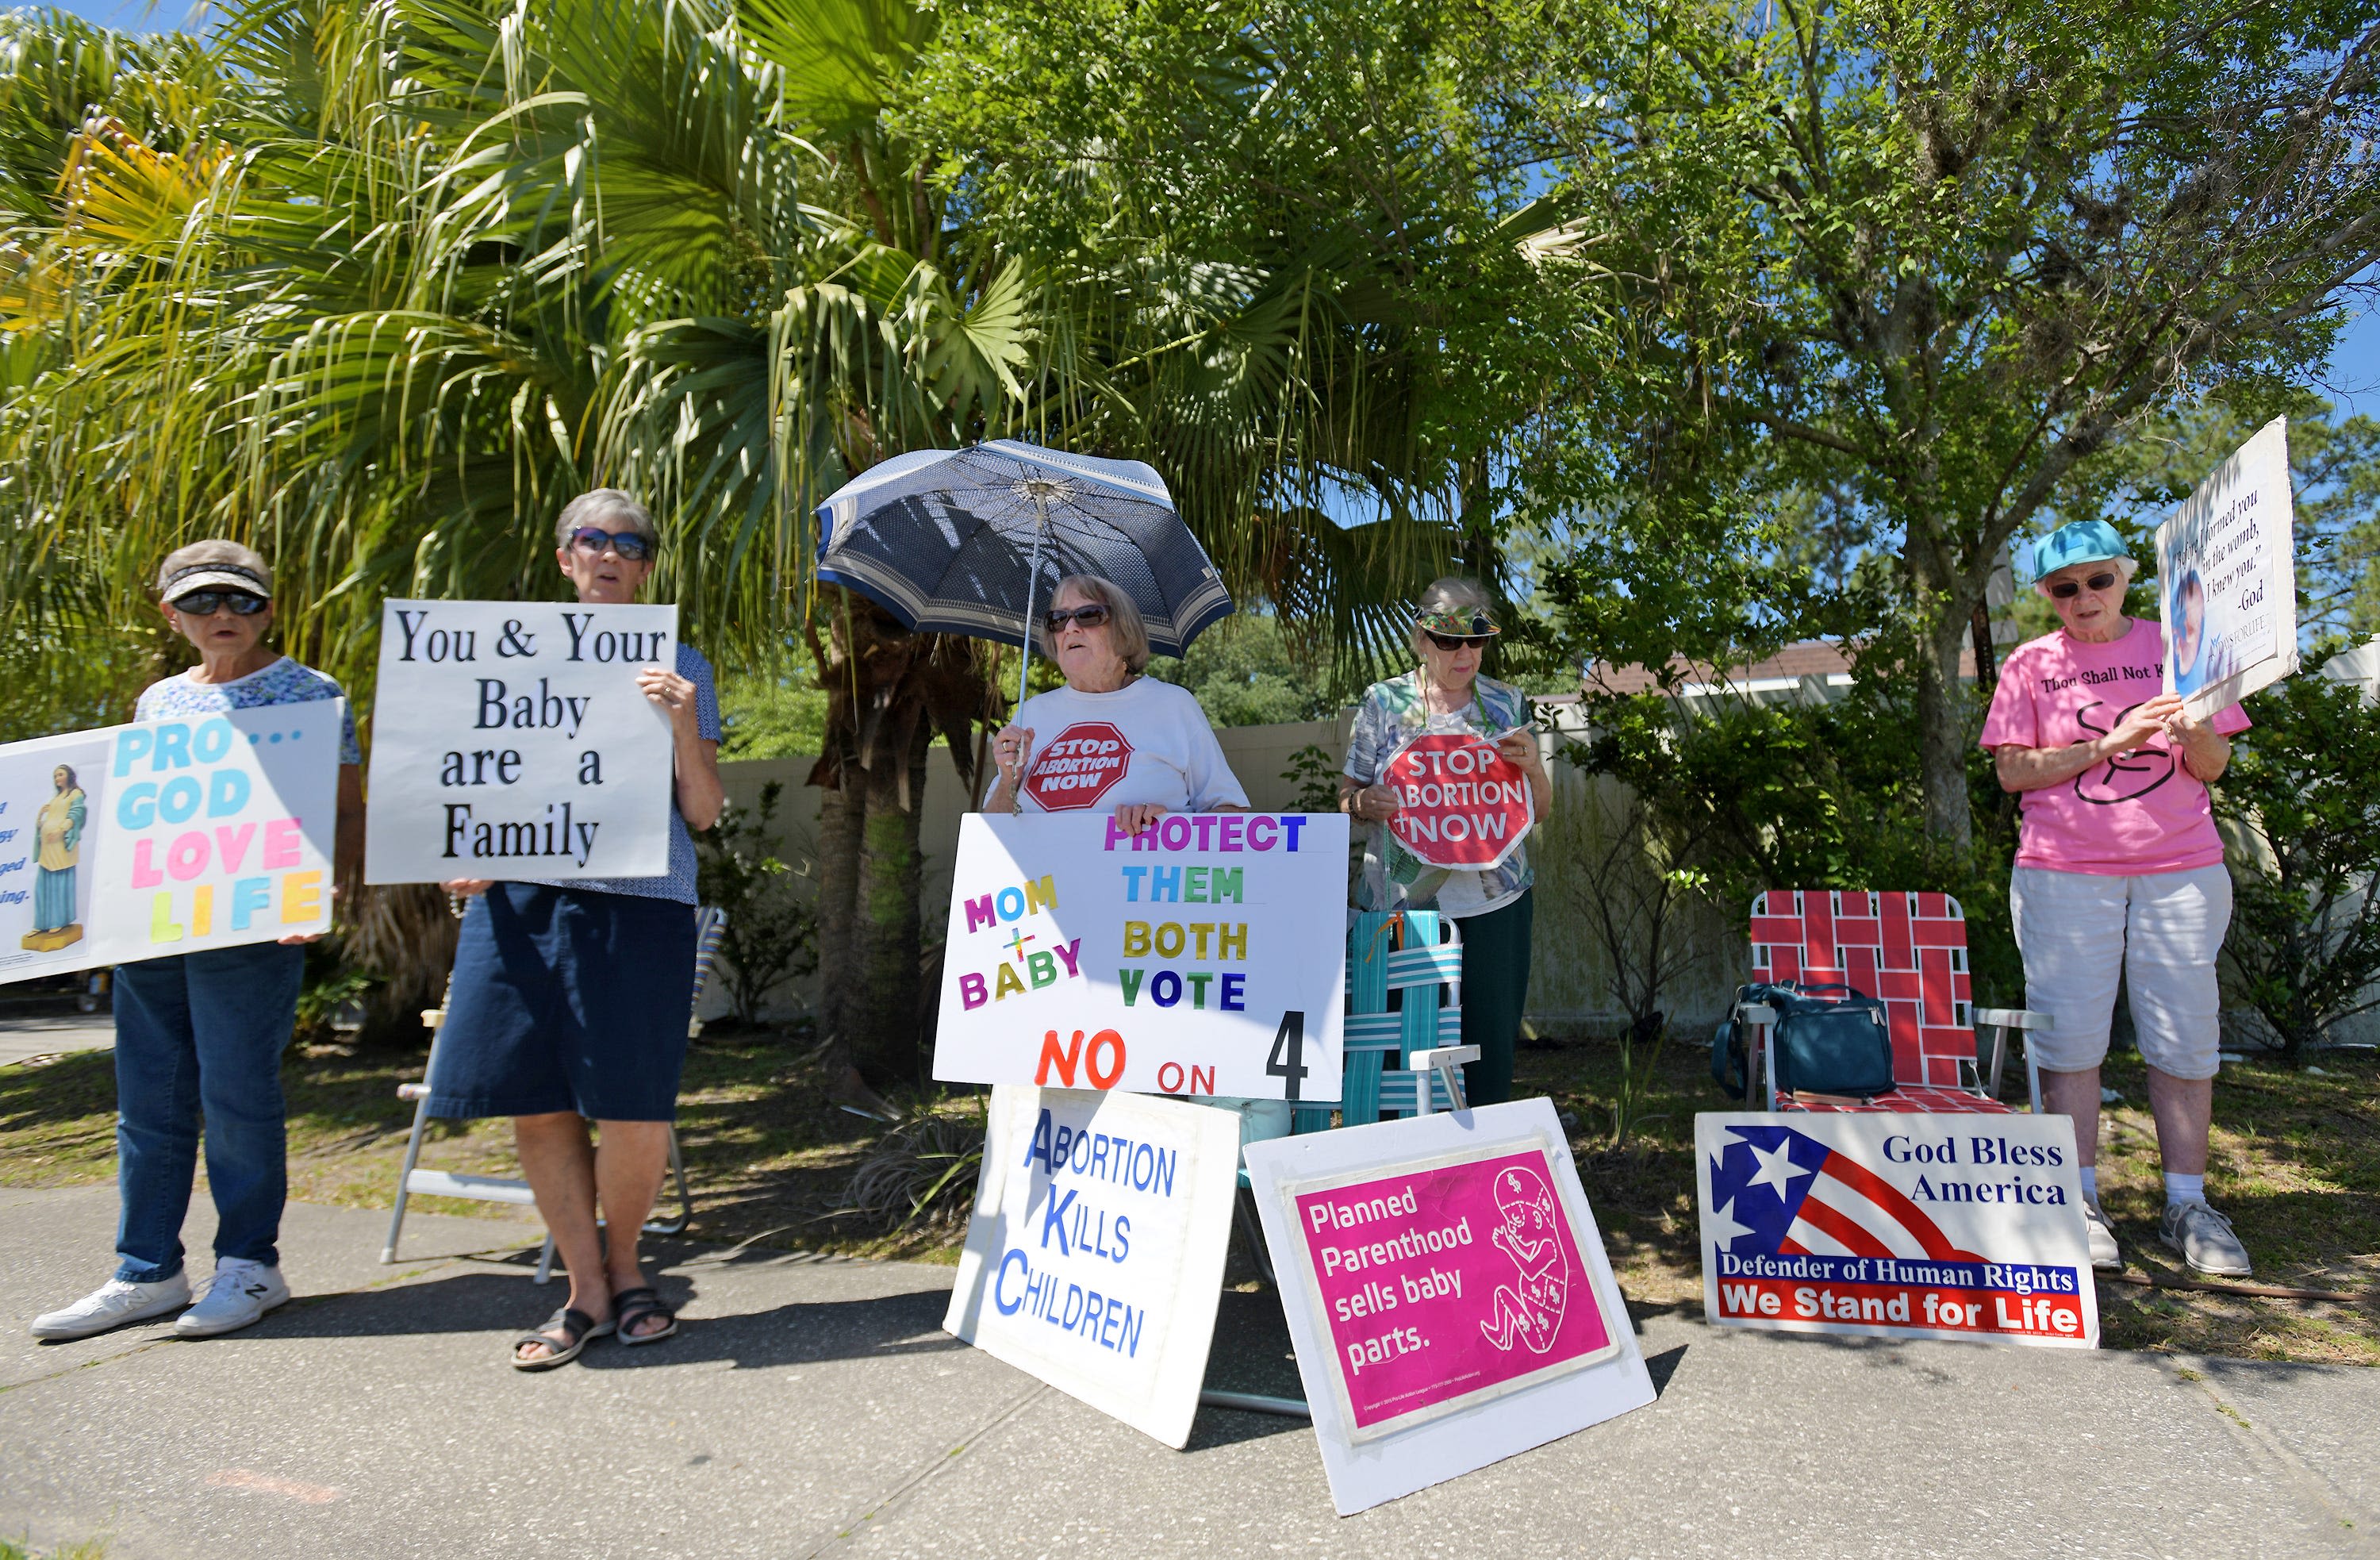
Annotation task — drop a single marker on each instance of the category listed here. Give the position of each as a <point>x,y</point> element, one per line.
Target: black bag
<point>1726,1059</point>
<point>1828,1046</point>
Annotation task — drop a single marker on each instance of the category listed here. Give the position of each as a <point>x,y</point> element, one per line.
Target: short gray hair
<point>1125,630</point>
<point>1450,593</point>
<point>597,507</point>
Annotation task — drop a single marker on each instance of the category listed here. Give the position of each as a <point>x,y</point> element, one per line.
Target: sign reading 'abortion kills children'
<point>133,842</point>
<point>1206,956</point>
<point>1095,1253</point>
<point>1894,1225</point>
<point>1447,1291</point>
<point>1460,802</point>
<point>511,741</point>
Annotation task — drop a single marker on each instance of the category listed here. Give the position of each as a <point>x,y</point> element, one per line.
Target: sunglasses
<point>1452,641</point>
<point>633,546</point>
<point>2067,589</point>
<point>1088,617</point>
<point>203,604</point>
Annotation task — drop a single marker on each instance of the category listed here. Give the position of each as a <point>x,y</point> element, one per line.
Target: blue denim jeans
<point>202,1032</point>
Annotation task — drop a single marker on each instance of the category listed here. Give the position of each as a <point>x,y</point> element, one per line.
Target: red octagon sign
<point>1079,766</point>
<point>1460,802</point>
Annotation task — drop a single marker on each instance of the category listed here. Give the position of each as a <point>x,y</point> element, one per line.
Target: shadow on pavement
<point>796,1333</point>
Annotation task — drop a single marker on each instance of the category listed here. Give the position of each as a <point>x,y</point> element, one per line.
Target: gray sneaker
<point>2104,1253</point>
<point>2204,1239</point>
<point>117,1303</point>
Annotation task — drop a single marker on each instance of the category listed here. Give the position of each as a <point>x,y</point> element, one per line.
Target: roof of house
<point>1825,659</point>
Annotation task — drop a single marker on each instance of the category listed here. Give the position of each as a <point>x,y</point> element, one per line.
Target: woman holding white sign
<point>1132,744</point>
<point>570,1000</point>
<point>201,1033</point>
<point>2118,872</point>
<point>1493,906</point>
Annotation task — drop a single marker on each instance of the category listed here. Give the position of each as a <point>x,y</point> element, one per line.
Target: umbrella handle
<point>1032,582</point>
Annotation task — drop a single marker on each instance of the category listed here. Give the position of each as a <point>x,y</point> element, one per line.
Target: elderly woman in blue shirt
<point>1493,908</point>
<point>570,1000</point>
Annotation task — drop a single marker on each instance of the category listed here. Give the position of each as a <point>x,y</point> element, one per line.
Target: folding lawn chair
<point>1909,950</point>
<point>710,923</point>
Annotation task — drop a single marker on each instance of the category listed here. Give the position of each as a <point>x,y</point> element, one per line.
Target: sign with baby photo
<point>1447,1293</point>
<point>510,741</point>
<point>2226,570</point>
<point>133,842</point>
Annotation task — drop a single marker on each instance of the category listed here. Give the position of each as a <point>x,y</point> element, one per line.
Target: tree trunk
<point>1942,728</point>
<point>841,812</point>
<point>890,691</point>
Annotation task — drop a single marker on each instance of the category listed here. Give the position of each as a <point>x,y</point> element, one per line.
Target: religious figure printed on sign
<point>58,828</point>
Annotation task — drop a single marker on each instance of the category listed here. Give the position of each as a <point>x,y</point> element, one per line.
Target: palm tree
<point>402,275</point>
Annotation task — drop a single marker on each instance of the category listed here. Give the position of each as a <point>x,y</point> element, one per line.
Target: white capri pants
<point>2162,931</point>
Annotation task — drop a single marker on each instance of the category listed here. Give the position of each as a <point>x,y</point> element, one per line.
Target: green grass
<point>2295,1163</point>
<point>19,1549</point>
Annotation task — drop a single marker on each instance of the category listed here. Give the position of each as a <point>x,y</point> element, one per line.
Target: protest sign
<point>1447,1293</point>
<point>131,842</point>
<point>2227,568</point>
<point>1207,955</point>
<point>1460,802</point>
<point>1094,1252</point>
<point>1891,1226</point>
<point>510,741</point>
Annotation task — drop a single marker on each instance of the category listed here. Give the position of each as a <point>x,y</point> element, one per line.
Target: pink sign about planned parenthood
<point>1449,1283</point>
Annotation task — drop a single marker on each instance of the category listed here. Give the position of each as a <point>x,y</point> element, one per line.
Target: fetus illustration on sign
<point>1529,1307</point>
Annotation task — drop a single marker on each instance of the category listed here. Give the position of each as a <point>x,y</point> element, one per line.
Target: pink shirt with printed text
<point>2139,812</point>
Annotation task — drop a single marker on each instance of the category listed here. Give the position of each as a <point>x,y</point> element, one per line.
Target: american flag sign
<point>1916,1226</point>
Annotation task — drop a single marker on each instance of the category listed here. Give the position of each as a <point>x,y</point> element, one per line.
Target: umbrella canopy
<point>974,541</point>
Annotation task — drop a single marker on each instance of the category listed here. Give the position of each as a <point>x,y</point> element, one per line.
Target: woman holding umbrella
<point>1494,907</point>
<point>1117,740</point>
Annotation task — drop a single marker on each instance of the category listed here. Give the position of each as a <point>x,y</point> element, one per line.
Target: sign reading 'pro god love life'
<point>1095,1256</point>
<point>133,842</point>
<point>1447,1291</point>
<point>511,741</point>
<point>1460,802</point>
<point>1206,956</point>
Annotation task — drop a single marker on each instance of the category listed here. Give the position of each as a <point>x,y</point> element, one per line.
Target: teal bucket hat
<point>2081,542</point>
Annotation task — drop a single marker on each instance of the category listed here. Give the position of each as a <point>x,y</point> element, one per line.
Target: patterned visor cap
<point>1470,624</point>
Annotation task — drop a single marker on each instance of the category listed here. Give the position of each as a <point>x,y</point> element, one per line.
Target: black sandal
<point>577,1328</point>
<point>632,1306</point>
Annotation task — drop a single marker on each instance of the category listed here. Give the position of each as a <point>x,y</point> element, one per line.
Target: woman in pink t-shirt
<point>2118,871</point>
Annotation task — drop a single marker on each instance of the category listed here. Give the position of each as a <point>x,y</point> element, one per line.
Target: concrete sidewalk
<point>816,1407</point>
<point>50,1035</point>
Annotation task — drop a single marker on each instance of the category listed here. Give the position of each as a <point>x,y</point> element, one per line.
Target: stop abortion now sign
<point>1460,802</point>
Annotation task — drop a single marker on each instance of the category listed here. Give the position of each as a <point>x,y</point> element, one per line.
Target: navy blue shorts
<point>566,999</point>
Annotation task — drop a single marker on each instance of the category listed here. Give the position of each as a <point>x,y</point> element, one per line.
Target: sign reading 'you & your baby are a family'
<point>511,741</point>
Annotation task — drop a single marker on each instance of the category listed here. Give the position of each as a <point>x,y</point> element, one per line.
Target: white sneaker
<point>2105,1253</point>
<point>116,1303</point>
<point>240,1292</point>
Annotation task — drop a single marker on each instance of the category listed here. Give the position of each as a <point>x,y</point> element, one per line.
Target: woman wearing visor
<point>200,1034</point>
<point>1493,908</point>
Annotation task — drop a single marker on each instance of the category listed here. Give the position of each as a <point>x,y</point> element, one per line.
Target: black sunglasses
<point>2067,589</point>
<point>202,604</point>
<point>1088,617</point>
<point>1451,641</point>
<point>632,546</point>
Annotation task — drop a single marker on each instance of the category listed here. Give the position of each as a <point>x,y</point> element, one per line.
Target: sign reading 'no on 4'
<point>1460,802</point>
